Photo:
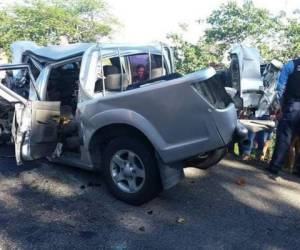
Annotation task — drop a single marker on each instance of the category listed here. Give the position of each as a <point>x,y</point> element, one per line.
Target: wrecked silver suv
<point>252,85</point>
<point>83,109</point>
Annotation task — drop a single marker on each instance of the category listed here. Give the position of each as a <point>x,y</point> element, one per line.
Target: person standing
<point>289,114</point>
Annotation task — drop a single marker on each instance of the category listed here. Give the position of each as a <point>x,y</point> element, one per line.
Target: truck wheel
<point>208,160</point>
<point>130,170</point>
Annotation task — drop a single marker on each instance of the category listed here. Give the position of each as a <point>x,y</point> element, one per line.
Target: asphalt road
<point>55,207</point>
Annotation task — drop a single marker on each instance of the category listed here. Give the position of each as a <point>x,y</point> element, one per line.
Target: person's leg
<point>283,142</point>
<point>248,148</point>
<point>297,152</point>
<point>231,148</point>
<point>297,166</point>
<point>265,149</point>
<point>260,138</point>
<point>268,141</point>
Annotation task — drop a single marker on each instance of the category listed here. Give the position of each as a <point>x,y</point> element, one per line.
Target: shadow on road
<point>47,207</point>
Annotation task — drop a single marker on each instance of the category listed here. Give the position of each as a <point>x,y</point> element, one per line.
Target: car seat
<point>157,72</point>
<point>113,79</point>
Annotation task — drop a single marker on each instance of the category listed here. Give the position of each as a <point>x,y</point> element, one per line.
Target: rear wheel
<point>131,171</point>
<point>208,160</point>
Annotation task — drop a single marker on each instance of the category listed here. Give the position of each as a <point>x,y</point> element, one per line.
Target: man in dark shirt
<point>289,124</point>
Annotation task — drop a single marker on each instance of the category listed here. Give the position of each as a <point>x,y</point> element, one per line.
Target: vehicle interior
<point>116,77</point>
<point>119,73</point>
<point>63,84</point>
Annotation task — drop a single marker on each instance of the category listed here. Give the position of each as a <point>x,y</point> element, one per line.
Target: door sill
<point>73,160</point>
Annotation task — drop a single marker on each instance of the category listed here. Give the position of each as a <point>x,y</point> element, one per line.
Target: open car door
<point>35,122</point>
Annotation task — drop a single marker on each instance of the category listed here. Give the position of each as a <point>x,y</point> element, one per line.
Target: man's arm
<point>287,70</point>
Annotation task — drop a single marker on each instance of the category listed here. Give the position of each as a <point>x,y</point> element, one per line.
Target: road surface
<point>230,206</point>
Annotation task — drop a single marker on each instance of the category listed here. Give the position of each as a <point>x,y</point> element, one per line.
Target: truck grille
<point>213,91</point>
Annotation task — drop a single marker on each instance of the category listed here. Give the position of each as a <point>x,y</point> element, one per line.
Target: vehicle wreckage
<point>81,108</point>
<point>252,86</point>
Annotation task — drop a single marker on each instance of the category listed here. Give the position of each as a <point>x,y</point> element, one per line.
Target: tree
<point>45,21</point>
<point>232,23</point>
<point>190,57</point>
<point>94,15</point>
<point>292,34</point>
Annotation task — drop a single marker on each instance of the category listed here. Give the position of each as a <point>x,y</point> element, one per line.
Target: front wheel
<point>131,171</point>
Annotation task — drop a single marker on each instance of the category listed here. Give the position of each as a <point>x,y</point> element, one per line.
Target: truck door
<point>35,123</point>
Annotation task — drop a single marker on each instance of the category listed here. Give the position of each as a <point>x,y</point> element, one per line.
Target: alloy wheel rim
<point>127,171</point>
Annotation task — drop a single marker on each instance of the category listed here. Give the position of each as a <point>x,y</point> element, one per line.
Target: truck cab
<point>86,109</point>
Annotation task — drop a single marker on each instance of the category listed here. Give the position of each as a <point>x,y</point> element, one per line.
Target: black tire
<point>211,159</point>
<point>152,183</point>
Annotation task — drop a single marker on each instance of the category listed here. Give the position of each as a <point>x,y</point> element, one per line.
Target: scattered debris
<point>241,181</point>
<point>150,212</point>
<point>180,220</point>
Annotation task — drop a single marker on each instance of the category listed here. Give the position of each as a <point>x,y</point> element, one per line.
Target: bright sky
<point>151,20</point>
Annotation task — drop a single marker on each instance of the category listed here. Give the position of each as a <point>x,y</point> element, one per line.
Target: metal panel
<point>174,117</point>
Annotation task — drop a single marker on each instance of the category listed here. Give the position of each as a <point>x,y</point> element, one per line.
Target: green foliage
<point>232,23</point>
<point>95,20</point>
<point>82,7</point>
<point>277,37</point>
<point>190,57</point>
<point>45,21</point>
<point>292,33</point>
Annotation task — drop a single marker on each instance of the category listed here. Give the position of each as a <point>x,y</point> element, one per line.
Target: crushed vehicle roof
<point>61,52</point>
